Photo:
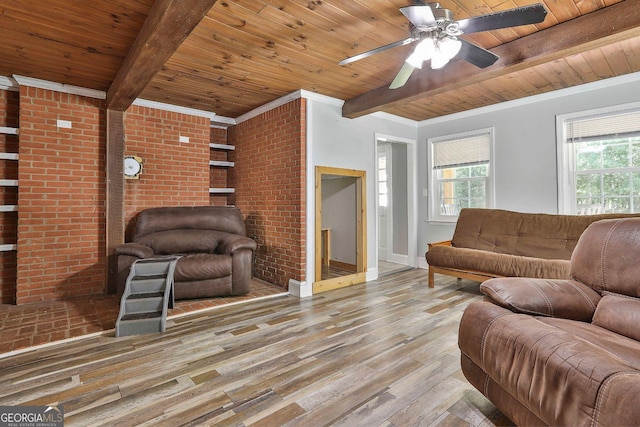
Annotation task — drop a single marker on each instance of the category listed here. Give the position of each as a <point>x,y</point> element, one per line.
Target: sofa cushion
<point>620,315</point>
<point>496,264</point>
<point>537,235</point>
<point>221,218</point>
<point>525,234</point>
<point>202,266</point>
<point>182,241</point>
<point>554,298</point>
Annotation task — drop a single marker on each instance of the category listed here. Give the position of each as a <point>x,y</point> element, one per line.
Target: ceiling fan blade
<point>376,50</point>
<point>476,55</point>
<point>419,15</point>
<point>524,15</point>
<point>402,76</point>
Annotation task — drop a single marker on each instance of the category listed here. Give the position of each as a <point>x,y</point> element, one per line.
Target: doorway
<point>340,228</point>
<point>394,172</point>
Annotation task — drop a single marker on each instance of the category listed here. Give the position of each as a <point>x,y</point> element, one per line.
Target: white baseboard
<point>300,289</point>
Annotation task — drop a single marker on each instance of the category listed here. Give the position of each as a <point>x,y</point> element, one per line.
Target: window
<point>599,161</point>
<point>461,173</point>
<point>383,191</point>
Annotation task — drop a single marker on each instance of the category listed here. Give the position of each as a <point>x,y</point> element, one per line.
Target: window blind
<point>467,151</point>
<point>623,125</point>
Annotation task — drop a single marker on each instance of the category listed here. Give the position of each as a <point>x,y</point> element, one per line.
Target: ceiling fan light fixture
<point>436,32</point>
<point>446,49</point>
<point>423,51</point>
<point>450,46</point>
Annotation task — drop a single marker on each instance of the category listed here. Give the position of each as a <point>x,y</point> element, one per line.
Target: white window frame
<point>565,154</point>
<point>434,188</point>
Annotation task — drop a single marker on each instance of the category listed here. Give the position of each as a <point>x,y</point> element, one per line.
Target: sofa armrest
<point>134,249</point>
<point>443,243</point>
<point>235,242</point>
<point>566,299</point>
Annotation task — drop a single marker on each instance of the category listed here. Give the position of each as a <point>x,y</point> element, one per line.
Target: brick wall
<point>60,229</point>
<point>174,173</point>
<point>61,223</point>
<point>9,106</point>
<point>269,177</point>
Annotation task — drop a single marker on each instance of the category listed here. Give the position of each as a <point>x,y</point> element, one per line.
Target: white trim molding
<point>285,100</point>
<point>8,83</point>
<point>175,108</point>
<point>60,87</point>
<point>300,289</point>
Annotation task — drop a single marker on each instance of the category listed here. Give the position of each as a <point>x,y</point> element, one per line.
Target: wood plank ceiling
<point>245,53</point>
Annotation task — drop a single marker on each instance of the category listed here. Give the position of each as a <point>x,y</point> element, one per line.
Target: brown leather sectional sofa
<point>216,254</point>
<point>491,243</point>
<point>563,352</point>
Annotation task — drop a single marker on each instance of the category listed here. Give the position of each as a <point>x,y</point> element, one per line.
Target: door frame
<point>361,230</point>
<point>412,226</point>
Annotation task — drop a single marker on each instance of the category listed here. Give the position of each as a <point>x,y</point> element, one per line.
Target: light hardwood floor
<point>382,353</point>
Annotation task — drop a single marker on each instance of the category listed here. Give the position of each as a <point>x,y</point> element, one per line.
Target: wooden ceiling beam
<point>167,26</point>
<point>615,23</point>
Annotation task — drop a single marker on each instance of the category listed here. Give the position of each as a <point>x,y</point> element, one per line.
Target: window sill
<point>442,221</point>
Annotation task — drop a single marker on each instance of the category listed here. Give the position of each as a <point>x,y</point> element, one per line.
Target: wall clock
<point>132,167</point>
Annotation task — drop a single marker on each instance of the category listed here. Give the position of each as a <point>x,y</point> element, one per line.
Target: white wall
<point>335,141</point>
<point>525,146</point>
<point>525,151</point>
<point>339,214</point>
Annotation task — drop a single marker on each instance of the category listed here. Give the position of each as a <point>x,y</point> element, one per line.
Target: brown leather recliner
<point>563,352</point>
<point>216,254</point>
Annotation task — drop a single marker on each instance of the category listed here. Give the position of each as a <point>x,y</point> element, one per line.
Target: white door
<point>385,220</point>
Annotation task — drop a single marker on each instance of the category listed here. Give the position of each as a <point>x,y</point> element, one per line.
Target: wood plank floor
<point>382,353</point>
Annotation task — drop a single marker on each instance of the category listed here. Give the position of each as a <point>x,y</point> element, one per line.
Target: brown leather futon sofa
<point>563,352</point>
<point>216,256</point>
<point>491,243</point>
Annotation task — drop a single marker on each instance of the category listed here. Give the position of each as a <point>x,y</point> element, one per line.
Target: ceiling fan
<point>436,32</point>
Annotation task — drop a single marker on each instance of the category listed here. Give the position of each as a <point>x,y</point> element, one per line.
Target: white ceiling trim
<point>60,87</point>
<point>8,83</point>
<point>268,106</point>
<point>175,109</point>
<point>217,121</point>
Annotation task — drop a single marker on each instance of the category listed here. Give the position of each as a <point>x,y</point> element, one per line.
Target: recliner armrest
<point>134,249</point>
<point>566,299</point>
<point>234,242</point>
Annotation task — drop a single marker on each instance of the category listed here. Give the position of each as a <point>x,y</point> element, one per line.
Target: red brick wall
<point>269,177</point>
<point>61,229</point>
<point>61,222</point>
<point>9,106</point>
<point>174,173</point>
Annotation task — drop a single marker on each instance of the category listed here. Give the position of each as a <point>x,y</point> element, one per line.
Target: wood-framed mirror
<point>340,228</point>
